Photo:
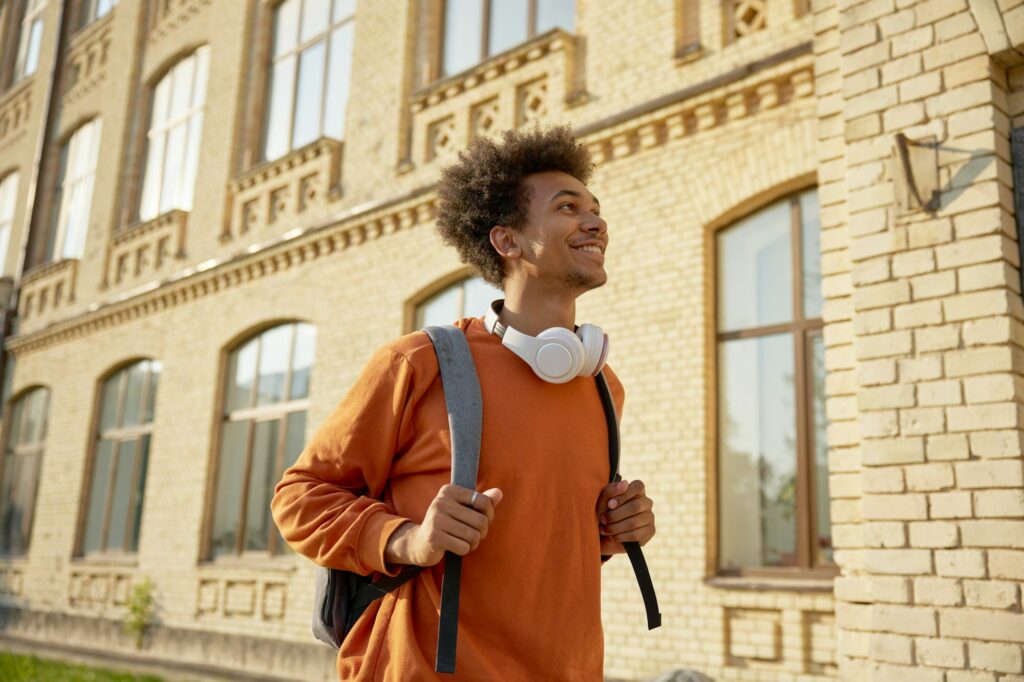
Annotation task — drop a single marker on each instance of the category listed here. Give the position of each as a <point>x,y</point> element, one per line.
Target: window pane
<point>104,7</point>
<point>339,80</point>
<point>274,360</point>
<point>149,207</point>
<point>479,296</point>
<point>755,271</point>
<point>181,90</point>
<point>35,417</point>
<point>14,433</point>
<point>9,512</point>
<point>315,17</point>
<point>295,439</point>
<point>26,484</point>
<point>108,404</point>
<point>120,496</point>
<point>286,26</point>
<point>309,96</point>
<point>302,360</point>
<point>32,56</point>
<point>508,24</point>
<point>757,452</point>
<point>556,13</point>
<point>133,394</point>
<point>343,9</point>
<point>810,230</point>
<point>820,426</point>
<point>282,85</point>
<point>155,368</point>
<point>202,60</point>
<point>230,474</point>
<point>97,497</point>
<point>188,177</point>
<point>242,376</point>
<point>174,159</point>
<point>443,308</point>
<point>463,21</point>
<point>262,478</point>
<point>135,513</point>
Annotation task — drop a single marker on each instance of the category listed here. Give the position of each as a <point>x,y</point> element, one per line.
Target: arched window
<point>8,199</point>
<point>175,129</point>
<point>466,298</point>
<point>310,73</point>
<point>117,480</point>
<point>772,452</point>
<point>23,455</point>
<point>262,433</point>
<point>30,37</point>
<point>72,199</point>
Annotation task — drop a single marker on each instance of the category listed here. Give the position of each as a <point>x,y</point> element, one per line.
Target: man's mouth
<point>590,248</point>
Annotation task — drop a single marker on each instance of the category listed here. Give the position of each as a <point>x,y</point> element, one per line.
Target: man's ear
<point>503,239</point>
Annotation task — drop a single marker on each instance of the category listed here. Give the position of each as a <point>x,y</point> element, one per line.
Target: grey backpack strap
<point>465,424</point>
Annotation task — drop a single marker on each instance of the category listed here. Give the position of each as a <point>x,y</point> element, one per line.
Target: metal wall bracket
<point>917,186</point>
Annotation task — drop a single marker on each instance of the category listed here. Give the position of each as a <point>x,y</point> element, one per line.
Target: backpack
<point>342,596</point>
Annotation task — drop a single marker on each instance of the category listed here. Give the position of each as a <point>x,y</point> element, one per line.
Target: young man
<point>370,492</point>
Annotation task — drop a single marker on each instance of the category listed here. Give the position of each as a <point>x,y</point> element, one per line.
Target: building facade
<point>213,211</point>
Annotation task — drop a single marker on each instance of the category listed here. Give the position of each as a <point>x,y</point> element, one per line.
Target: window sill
<point>113,561</point>
<point>259,564</point>
<point>83,34</point>
<point>690,52</point>
<point>771,584</point>
<point>13,560</point>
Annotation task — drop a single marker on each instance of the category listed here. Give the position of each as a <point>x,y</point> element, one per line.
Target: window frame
<point>119,435</point>
<point>35,450</point>
<point>436,69</point>
<point>57,234</point>
<point>29,12</point>
<point>438,286</point>
<point>279,411</point>
<point>802,330</point>
<point>88,13</point>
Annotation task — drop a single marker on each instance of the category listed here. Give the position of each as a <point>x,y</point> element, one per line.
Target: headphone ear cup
<point>555,366</point>
<point>595,351</point>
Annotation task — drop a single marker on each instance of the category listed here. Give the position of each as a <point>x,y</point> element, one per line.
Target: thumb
<point>494,494</point>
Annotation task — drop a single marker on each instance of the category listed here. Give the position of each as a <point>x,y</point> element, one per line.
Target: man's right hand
<point>453,523</point>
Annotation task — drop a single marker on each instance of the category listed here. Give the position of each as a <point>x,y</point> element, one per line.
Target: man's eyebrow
<point>572,193</point>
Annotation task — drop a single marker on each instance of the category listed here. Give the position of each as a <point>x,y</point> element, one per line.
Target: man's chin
<point>588,281</point>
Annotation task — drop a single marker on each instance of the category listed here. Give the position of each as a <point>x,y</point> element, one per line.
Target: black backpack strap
<point>633,551</point>
<point>465,424</point>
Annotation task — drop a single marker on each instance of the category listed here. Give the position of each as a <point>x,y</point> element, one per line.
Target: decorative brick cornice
<point>87,58</point>
<point>15,107</point>
<point>169,14</point>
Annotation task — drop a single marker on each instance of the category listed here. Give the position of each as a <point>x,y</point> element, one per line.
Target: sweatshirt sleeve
<point>327,504</point>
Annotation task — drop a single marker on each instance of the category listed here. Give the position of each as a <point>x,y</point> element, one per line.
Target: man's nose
<point>595,224</point>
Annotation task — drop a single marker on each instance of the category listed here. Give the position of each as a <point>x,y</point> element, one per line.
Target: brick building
<point>212,211</point>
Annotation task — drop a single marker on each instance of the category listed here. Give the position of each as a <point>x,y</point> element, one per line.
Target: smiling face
<point>563,241</point>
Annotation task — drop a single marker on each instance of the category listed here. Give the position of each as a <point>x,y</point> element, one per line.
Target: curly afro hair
<point>485,188</point>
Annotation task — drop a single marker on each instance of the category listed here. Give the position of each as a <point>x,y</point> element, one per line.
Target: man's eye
<point>566,206</point>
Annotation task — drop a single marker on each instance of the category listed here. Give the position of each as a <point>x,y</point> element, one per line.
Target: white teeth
<point>590,248</point>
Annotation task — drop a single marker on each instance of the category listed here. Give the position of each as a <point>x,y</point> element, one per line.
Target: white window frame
<point>158,198</point>
<point>75,188</point>
<point>327,36</point>
<point>30,39</point>
<point>8,203</point>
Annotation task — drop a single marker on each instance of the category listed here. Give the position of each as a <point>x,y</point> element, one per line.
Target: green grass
<point>14,668</point>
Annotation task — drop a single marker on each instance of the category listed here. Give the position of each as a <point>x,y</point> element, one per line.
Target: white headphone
<point>556,355</point>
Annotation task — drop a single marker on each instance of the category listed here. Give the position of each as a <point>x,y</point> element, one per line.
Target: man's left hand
<point>625,514</point>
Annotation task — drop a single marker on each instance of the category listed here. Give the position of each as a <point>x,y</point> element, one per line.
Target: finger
<point>641,535</point>
<point>461,531</point>
<point>607,493</point>
<point>467,515</point>
<point>634,489</point>
<point>494,495</point>
<point>487,501</point>
<point>628,524</point>
<point>635,506</point>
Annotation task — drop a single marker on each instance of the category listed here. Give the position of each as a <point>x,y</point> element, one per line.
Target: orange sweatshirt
<point>530,602</point>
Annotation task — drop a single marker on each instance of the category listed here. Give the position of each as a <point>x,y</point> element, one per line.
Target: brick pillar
<point>924,341</point>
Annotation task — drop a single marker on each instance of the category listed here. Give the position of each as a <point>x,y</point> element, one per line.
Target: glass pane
<point>121,495</point>
<point>174,159</point>
<point>242,376</point>
<point>35,417</point>
<point>315,18</point>
<point>188,178</point>
<point>302,360</point>
<point>97,497</point>
<point>108,402</point>
<point>104,7</point>
<point>10,514</point>
<point>508,24</point>
<point>149,206</point>
<point>133,394</point>
<point>282,85</point>
<point>442,308</point>
<point>810,231</point>
<point>295,439</point>
<point>343,9</point>
<point>463,21</point>
<point>230,474</point>
<point>5,240</point>
<point>339,80</point>
<point>820,431</point>
<point>286,26</point>
<point>556,13</point>
<point>275,355</point>
<point>309,96</point>
<point>755,271</point>
<point>181,91</point>
<point>135,513</point>
<point>479,296</point>
<point>32,58</point>
<point>161,101</point>
<point>262,479</point>
<point>14,431</point>
<point>26,484</point>
<point>757,452</point>
<point>155,368</point>
<point>202,72</point>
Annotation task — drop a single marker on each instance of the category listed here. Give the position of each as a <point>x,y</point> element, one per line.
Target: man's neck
<point>531,310</point>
